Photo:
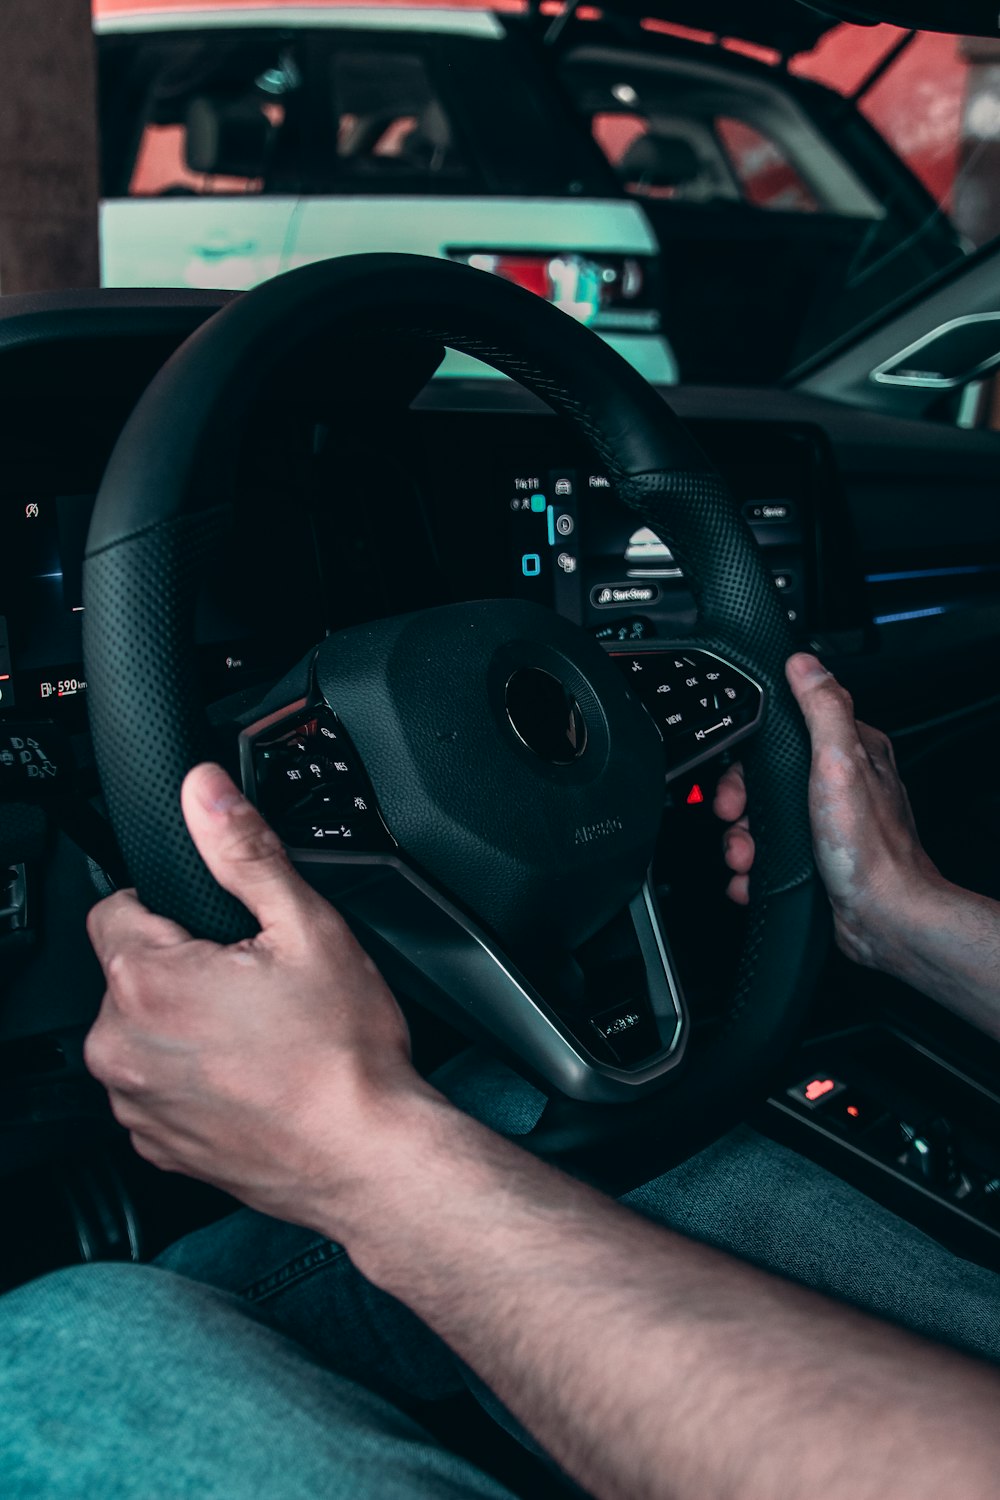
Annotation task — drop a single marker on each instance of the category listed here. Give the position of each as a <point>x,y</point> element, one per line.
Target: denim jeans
<point>255,1361</point>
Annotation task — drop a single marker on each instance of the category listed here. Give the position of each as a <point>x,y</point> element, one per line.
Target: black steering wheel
<point>501,783</point>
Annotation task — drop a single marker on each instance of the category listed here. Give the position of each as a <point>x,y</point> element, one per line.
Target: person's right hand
<point>866,844</point>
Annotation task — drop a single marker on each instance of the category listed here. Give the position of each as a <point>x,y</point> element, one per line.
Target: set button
<point>312,787</point>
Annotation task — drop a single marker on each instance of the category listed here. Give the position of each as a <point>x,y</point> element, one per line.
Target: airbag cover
<point>544,853</point>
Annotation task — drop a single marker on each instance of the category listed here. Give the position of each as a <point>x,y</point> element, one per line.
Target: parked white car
<point>238,142</point>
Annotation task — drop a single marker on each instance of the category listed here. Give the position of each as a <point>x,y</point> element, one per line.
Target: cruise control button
<point>337,830</point>
<point>312,787</point>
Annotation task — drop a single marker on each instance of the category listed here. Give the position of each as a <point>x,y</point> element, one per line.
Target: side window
<point>766,177</point>
<point>615,133</point>
<point>170,156</point>
<point>662,158</point>
<point>390,121</point>
<point>205,113</point>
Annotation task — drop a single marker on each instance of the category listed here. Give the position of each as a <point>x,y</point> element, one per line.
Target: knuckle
<point>101,1054</point>
<point>130,976</point>
<point>94,1056</point>
<point>836,694</point>
<point>256,845</point>
<point>119,971</point>
<point>832,765</point>
<point>122,1109</point>
<point>105,1057</point>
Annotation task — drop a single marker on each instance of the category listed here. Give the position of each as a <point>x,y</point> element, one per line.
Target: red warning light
<point>695,795</point>
<point>853,1111</point>
<point>818,1088</point>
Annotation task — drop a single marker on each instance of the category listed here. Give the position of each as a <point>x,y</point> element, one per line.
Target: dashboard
<point>468,506</point>
<point>881,533</point>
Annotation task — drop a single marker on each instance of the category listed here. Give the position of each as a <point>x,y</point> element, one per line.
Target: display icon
<point>538,503</point>
<point>531,564</point>
<point>818,1087</point>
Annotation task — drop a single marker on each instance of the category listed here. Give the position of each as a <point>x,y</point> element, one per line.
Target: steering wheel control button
<point>769,512</point>
<point>545,716</point>
<point>312,788</point>
<point>698,702</point>
<point>629,1032</point>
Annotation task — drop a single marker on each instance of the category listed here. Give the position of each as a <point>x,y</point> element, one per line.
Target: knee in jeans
<point>81,1297</point>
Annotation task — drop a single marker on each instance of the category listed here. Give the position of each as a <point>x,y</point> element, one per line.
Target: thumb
<point>243,853</point>
<point>826,706</point>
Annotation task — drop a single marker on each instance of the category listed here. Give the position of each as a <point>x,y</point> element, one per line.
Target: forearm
<point>649,1365</point>
<point>947,945</point>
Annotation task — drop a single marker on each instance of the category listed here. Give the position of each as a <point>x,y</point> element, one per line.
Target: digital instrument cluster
<point>250,618</point>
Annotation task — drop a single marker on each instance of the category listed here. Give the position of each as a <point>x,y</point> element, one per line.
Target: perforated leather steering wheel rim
<point>167,496</point>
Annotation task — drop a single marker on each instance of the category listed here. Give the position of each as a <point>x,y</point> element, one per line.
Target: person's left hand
<point>269,1068</point>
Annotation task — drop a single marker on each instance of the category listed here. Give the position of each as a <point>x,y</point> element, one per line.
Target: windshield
<point>717,211</point>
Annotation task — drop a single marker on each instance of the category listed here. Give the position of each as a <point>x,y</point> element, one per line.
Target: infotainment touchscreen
<point>574,551</point>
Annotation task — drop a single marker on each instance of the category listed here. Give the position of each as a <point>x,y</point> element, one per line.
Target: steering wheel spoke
<point>571,1037</point>
<point>601,1024</point>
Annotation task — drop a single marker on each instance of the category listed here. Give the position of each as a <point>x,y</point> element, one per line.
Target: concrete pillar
<point>48,146</point>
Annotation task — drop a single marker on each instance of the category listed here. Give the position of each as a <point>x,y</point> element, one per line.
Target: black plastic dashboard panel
<point>899,518</point>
